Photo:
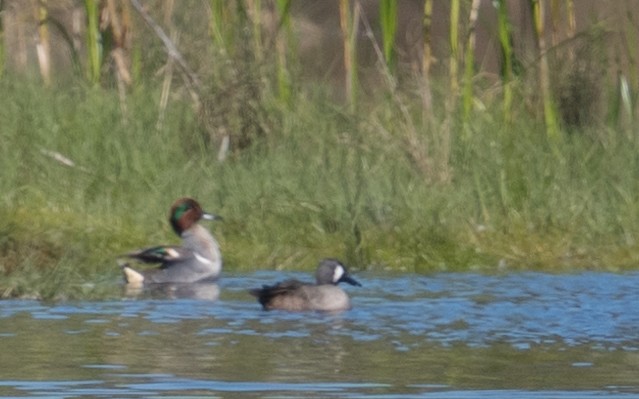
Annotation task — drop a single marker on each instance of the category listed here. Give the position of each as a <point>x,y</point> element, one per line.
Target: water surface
<point>527,335</point>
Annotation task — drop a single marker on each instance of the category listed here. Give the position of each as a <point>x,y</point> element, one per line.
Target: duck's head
<point>185,212</point>
<point>332,271</point>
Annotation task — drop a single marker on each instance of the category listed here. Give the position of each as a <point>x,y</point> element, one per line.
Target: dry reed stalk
<point>43,45</point>
<point>167,11</point>
<point>191,80</point>
<point>282,44</point>
<point>349,25</point>
<point>3,49</point>
<point>469,61</point>
<point>166,88</point>
<point>443,155</point>
<point>550,118</point>
<point>413,143</point>
<point>119,26</point>
<point>2,43</point>
<point>572,26</point>
<point>117,22</point>
<point>454,52</point>
<point>427,58</point>
<point>555,22</point>
<point>255,13</point>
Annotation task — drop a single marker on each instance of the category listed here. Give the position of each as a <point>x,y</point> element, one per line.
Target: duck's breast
<point>326,298</point>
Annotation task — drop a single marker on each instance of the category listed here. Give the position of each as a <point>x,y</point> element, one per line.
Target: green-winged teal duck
<point>197,259</point>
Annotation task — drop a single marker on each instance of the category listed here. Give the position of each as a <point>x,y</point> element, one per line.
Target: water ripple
<point>444,335</point>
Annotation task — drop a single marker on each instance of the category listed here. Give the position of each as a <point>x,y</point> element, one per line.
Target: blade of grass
<point>388,22</point>
<point>507,58</point>
<point>94,48</point>
<point>221,17</point>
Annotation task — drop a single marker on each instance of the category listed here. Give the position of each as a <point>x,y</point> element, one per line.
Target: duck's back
<point>297,296</point>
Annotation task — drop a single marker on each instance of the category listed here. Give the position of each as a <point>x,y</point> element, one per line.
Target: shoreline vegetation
<point>498,175</point>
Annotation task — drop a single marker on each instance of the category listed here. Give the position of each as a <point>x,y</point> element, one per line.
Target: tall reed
<point>504,32</point>
<point>469,61</point>
<point>444,141</point>
<point>563,22</point>
<point>94,47</point>
<point>283,40</point>
<point>550,113</point>
<point>453,59</point>
<point>427,58</point>
<point>629,44</point>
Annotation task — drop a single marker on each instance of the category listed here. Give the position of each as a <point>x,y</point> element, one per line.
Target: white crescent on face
<point>338,273</point>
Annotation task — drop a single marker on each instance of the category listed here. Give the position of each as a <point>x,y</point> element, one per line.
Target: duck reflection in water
<point>203,291</point>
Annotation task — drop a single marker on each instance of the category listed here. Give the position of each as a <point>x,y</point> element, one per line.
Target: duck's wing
<point>280,288</point>
<point>163,254</point>
<point>269,296</point>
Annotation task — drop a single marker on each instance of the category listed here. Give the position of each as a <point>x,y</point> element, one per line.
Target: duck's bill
<point>211,216</point>
<point>350,280</point>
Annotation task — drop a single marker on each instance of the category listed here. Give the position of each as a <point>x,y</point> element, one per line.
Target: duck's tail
<point>263,295</point>
<point>131,276</point>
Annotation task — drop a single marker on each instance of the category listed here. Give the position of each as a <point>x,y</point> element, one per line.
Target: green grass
<point>320,183</point>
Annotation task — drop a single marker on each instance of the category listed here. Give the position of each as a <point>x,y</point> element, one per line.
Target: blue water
<point>450,335</point>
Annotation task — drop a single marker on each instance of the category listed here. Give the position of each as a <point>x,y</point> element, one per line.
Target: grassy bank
<point>379,189</point>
